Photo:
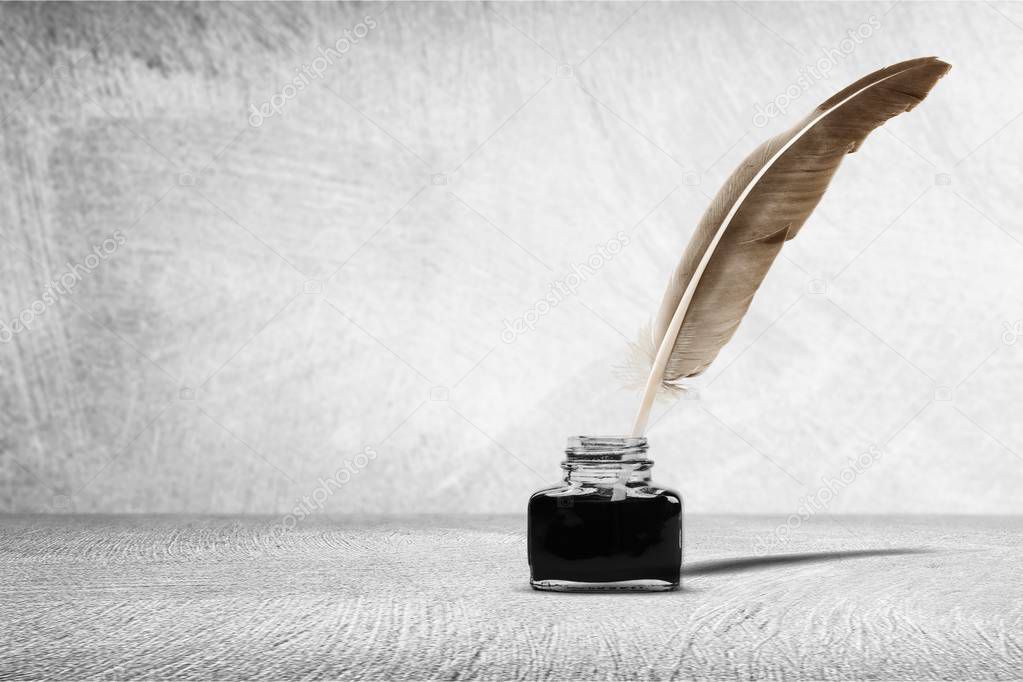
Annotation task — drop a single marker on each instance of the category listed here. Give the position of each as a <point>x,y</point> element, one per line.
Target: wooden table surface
<point>447,597</point>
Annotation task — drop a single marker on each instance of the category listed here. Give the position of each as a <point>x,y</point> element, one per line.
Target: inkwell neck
<point>606,459</point>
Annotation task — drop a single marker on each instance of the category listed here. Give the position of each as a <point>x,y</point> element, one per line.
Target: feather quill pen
<point>763,204</point>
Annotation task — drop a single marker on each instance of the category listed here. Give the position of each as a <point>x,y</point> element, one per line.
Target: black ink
<point>588,538</point>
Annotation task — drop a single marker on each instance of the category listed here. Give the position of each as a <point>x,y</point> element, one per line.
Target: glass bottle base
<point>619,586</point>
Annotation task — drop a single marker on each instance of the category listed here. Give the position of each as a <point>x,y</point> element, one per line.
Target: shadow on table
<point>738,564</point>
<point>753,563</point>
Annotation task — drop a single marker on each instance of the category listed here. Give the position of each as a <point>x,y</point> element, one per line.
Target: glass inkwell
<point>606,526</point>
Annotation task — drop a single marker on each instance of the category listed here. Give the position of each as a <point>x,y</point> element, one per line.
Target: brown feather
<point>773,210</point>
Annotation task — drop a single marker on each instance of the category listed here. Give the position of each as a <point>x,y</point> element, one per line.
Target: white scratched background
<point>338,277</point>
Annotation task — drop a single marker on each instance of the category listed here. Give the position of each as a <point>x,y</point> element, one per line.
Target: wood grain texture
<point>446,597</point>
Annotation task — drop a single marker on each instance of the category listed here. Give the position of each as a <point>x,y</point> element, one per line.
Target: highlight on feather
<point>763,204</point>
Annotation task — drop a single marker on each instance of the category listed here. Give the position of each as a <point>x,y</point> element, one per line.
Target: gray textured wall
<point>263,303</point>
